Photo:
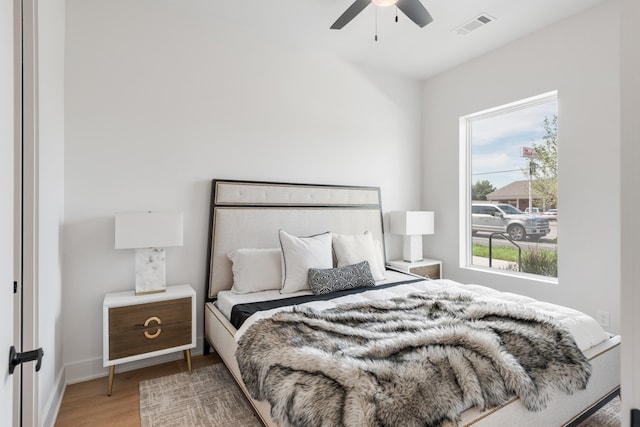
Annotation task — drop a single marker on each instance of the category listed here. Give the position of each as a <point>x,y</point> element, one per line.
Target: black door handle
<point>16,359</point>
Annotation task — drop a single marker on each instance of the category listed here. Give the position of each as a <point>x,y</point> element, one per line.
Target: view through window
<point>512,153</point>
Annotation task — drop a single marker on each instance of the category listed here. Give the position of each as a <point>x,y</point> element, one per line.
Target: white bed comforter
<point>585,330</point>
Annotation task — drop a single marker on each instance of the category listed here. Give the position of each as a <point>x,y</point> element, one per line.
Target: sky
<point>497,141</point>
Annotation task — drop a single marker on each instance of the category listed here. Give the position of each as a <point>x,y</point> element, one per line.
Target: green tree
<point>480,189</point>
<point>545,172</point>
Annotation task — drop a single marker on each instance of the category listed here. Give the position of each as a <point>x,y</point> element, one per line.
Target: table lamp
<point>412,225</point>
<point>149,233</point>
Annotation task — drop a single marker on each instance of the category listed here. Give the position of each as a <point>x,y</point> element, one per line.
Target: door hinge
<point>16,359</point>
<point>15,287</point>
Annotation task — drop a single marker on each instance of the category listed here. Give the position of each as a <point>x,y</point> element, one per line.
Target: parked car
<point>504,218</point>
<point>533,211</point>
<point>551,214</point>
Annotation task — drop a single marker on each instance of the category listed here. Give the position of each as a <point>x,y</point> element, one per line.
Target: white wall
<point>164,97</point>
<point>629,208</point>
<point>51,29</point>
<point>580,58</point>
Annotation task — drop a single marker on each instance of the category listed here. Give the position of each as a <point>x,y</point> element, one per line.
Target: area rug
<point>607,416</point>
<point>209,397</point>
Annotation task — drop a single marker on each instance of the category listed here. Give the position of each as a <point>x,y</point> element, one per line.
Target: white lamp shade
<point>148,230</point>
<point>384,3</point>
<point>412,223</point>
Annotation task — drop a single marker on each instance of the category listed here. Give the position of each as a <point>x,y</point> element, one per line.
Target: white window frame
<point>465,245</point>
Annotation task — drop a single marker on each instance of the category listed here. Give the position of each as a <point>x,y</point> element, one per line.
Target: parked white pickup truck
<point>504,218</point>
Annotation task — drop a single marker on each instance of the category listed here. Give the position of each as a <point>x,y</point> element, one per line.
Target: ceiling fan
<point>412,8</point>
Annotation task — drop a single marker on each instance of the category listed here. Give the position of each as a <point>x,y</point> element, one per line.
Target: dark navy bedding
<point>241,312</point>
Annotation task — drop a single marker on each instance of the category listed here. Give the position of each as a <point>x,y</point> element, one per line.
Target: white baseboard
<point>90,369</point>
<point>52,407</point>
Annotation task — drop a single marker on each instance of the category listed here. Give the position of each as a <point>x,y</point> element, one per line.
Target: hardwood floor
<point>87,403</point>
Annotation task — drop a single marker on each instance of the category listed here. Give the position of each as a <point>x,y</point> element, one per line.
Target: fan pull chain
<point>396,13</point>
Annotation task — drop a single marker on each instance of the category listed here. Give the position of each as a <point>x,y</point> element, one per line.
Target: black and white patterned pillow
<point>327,280</point>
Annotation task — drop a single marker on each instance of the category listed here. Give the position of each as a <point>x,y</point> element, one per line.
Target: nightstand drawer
<point>429,271</point>
<point>143,328</point>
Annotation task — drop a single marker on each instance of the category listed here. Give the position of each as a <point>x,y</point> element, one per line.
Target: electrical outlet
<point>603,318</point>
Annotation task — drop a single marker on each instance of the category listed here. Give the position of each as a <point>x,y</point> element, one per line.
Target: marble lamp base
<point>150,271</point>
<point>412,250</point>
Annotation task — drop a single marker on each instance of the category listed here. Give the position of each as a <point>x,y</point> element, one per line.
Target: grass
<point>534,261</point>
<point>498,252</point>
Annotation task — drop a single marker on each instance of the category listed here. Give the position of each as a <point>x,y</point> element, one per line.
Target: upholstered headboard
<point>248,214</point>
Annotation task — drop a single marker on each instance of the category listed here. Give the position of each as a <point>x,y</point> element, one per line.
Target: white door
<point>7,296</point>
<point>18,102</point>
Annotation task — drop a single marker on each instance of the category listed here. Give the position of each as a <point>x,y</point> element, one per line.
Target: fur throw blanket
<point>419,360</point>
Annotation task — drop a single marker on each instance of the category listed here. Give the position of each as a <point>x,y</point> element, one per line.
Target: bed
<point>250,220</point>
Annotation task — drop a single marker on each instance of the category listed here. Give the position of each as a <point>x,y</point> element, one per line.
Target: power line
<point>491,173</point>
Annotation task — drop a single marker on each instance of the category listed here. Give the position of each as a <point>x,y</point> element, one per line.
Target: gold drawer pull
<point>146,323</point>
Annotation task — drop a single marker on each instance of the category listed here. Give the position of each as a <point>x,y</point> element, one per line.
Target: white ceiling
<point>402,47</point>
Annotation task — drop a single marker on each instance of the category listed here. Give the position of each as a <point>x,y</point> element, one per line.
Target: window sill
<point>513,274</point>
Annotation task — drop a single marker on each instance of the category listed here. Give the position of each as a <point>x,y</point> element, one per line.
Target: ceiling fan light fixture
<point>413,9</point>
<point>384,3</point>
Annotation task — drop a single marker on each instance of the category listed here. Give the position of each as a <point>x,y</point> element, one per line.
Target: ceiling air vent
<point>473,24</point>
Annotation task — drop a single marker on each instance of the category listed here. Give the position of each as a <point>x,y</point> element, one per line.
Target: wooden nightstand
<point>429,268</point>
<point>136,327</point>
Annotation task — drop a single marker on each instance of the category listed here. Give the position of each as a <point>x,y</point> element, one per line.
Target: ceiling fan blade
<point>415,11</point>
<point>353,10</point>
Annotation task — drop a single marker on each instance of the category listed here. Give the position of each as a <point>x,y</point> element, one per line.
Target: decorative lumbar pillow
<point>354,248</point>
<point>299,254</point>
<point>256,270</point>
<point>324,281</point>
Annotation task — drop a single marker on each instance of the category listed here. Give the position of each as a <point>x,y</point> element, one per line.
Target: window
<point>509,188</point>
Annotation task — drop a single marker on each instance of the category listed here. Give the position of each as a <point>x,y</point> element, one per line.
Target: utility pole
<point>530,154</point>
<point>532,170</point>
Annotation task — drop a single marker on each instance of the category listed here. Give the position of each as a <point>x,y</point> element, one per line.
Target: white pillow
<point>355,248</point>
<point>256,270</point>
<point>299,254</point>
